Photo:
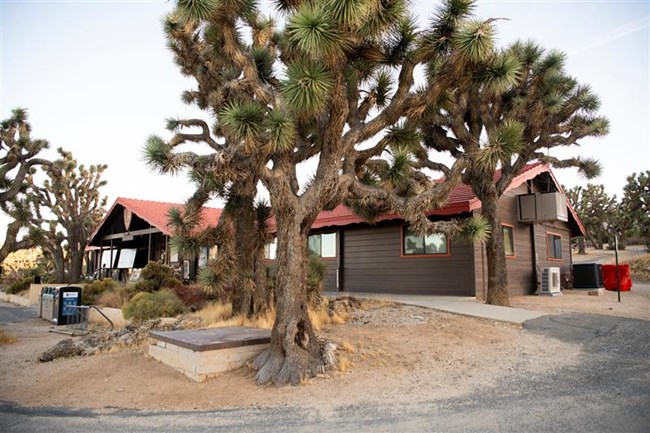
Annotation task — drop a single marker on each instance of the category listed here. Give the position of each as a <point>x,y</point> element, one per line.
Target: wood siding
<point>372,263</point>
<point>541,231</point>
<point>521,269</point>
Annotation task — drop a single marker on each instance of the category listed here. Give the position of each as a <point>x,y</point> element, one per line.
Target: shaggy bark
<point>12,243</point>
<point>497,293</point>
<point>294,353</point>
<point>250,297</point>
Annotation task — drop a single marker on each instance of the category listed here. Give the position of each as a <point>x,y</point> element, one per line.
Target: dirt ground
<point>404,353</point>
<point>634,304</point>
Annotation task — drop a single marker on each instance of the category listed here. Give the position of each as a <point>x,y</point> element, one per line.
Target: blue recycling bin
<point>66,299</point>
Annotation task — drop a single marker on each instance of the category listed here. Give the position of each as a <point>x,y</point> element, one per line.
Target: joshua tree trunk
<point>497,291</point>
<point>294,352</point>
<point>250,297</point>
<point>59,268</point>
<point>76,264</point>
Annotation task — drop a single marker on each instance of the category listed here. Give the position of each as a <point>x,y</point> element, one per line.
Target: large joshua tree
<point>533,108</point>
<point>335,83</point>
<point>19,157</point>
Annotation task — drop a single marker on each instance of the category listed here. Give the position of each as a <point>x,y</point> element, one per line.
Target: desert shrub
<point>193,296</point>
<point>20,286</point>
<point>640,268</point>
<point>6,338</point>
<point>156,276</point>
<point>145,306</point>
<point>114,298</point>
<point>91,292</point>
<point>315,275</point>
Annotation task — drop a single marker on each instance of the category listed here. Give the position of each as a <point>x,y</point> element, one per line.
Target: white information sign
<point>127,258</point>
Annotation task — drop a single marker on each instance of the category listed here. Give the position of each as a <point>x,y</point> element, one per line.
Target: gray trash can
<point>47,303</point>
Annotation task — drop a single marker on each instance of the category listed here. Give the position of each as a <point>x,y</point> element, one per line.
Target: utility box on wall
<point>538,207</point>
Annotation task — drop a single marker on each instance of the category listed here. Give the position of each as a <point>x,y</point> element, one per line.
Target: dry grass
<point>6,338</point>
<point>322,317</point>
<point>346,346</point>
<point>374,304</point>
<point>344,364</point>
<point>215,312</point>
<point>218,315</point>
<point>264,321</point>
<point>113,298</point>
<point>640,268</point>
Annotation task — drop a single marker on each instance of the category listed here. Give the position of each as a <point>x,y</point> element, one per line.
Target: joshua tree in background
<point>595,207</point>
<point>18,159</point>
<point>635,205</point>
<point>66,209</point>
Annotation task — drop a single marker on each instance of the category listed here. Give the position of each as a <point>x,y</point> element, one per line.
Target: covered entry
<point>135,232</point>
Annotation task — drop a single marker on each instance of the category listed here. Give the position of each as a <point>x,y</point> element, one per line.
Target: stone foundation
<point>205,353</point>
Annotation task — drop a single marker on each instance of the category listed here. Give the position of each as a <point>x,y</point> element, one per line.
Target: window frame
<point>403,255</point>
<point>320,256</point>
<point>512,230</point>
<point>548,246</point>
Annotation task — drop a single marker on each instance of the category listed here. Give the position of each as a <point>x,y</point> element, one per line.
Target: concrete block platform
<point>204,353</point>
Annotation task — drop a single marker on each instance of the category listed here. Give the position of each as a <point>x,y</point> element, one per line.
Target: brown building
<point>135,232</point>
<point>387,258</point>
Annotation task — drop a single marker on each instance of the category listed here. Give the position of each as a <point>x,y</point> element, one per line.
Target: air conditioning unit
<point>550,281</point>
<point>539,207</point>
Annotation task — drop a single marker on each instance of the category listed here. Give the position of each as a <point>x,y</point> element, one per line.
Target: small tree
<point>18,160</point>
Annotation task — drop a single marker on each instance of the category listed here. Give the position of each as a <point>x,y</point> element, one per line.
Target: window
<point>509,240</point>
<point>323,245</point>
<point>271,249</point>
<point>554,246</point>
<point>413,244</point>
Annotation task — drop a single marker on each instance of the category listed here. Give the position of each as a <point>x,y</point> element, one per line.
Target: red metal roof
<point>461,199</point>
<point>155,213</point>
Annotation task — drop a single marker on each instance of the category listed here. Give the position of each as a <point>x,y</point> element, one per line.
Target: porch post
<point>149,247</point>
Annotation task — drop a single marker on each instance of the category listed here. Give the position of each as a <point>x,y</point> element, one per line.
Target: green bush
<point>146,306</point>
<point>20,286</point>
<point>156,276</point>
<point>316,272</point>
<point>92,291</point>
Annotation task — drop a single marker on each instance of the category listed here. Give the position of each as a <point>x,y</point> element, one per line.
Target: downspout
<point>537,280</point>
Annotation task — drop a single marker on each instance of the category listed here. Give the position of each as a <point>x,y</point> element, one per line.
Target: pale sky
<point>97,79</point>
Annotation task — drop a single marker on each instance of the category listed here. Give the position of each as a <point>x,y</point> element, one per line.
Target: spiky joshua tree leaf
<point>307,88</point>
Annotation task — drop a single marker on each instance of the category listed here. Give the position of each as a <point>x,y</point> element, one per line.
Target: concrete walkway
<point>454,304</point>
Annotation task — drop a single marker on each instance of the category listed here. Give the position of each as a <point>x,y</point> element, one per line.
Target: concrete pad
<point>204,353</point>
<point>454,304</point>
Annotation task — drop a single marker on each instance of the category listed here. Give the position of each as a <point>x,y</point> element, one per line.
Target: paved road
<point>607,392</point>
<point>10,313</point>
